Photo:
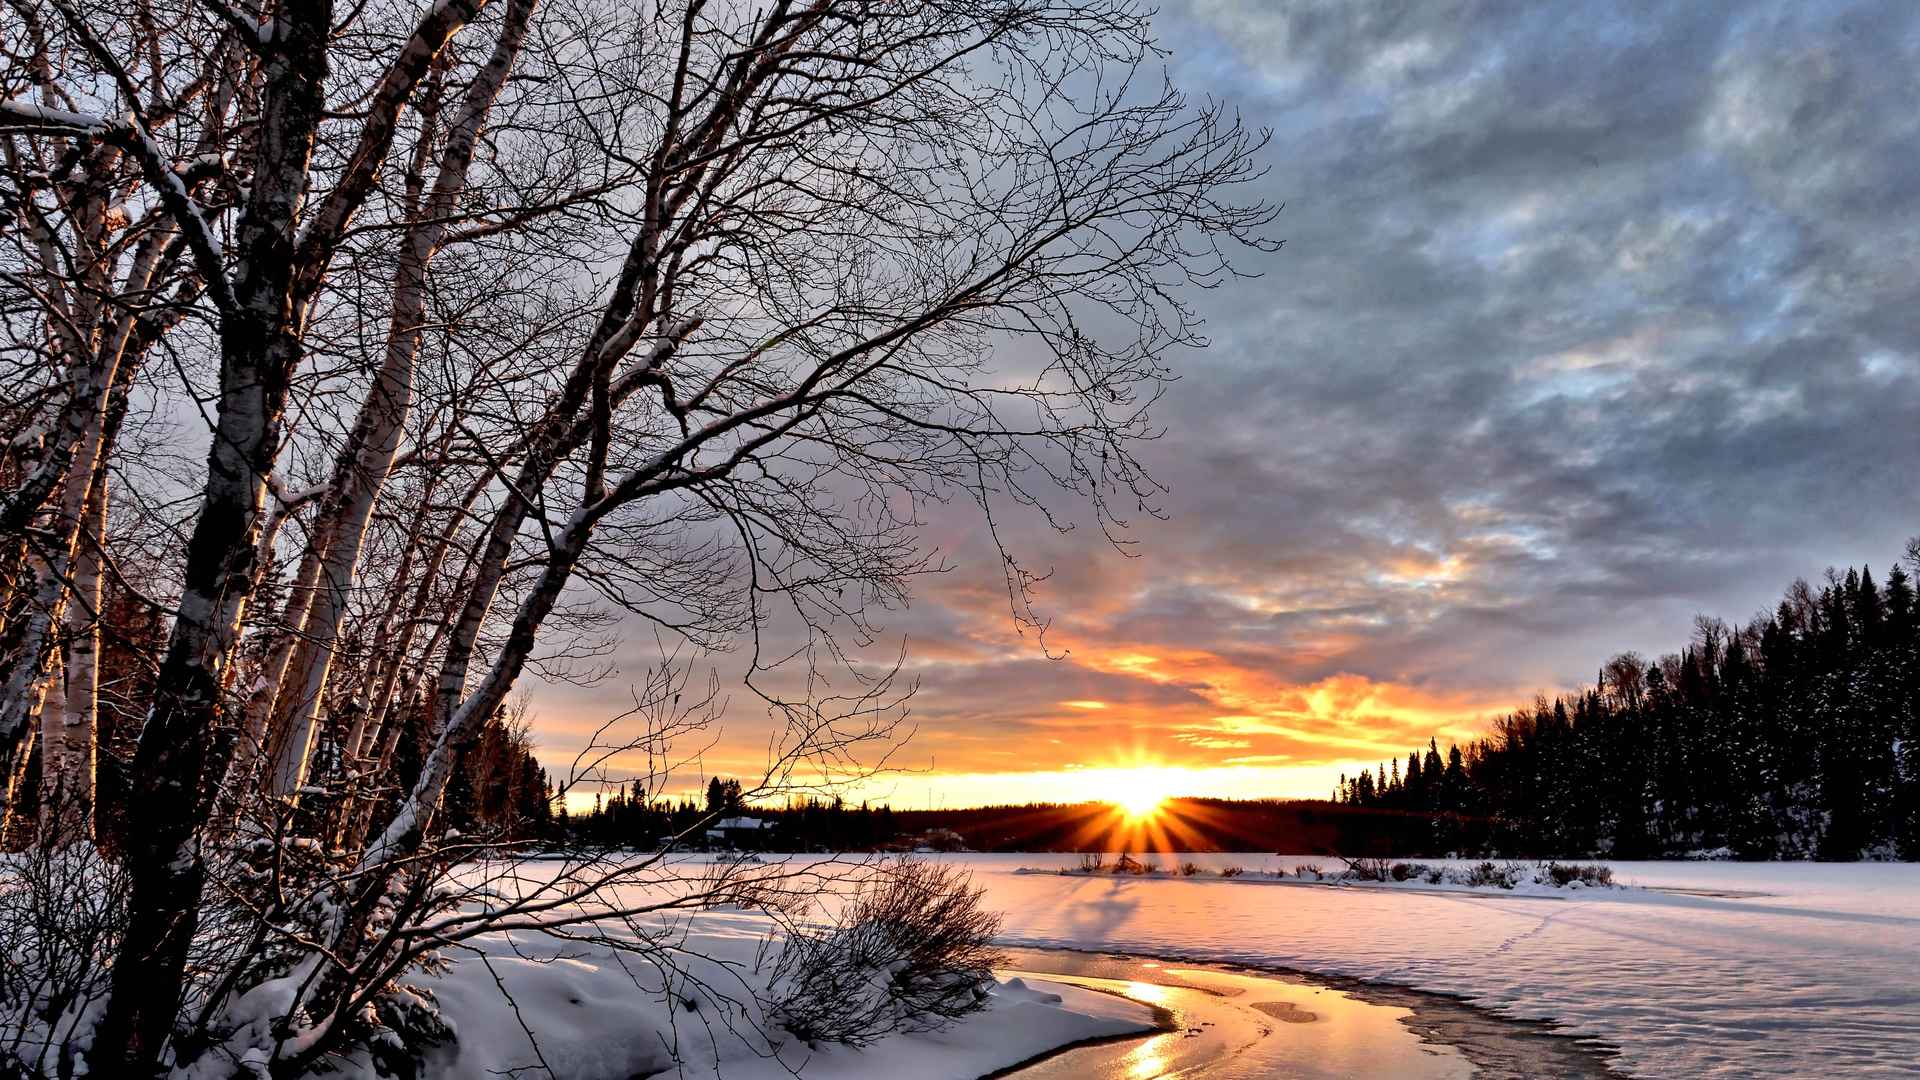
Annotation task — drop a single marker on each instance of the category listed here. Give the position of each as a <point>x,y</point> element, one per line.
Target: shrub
<point>1564,874</point>
<point>1189,869</point>
<point>1402,871</point>
<point>1486,873</point>
<point>1092,862</point>
<point>1309,868</point>
<point>1367,869</point>
<point>1231,871</point>
<point>909,953</point>
<point>1127,864</point>
<point>62,910</point>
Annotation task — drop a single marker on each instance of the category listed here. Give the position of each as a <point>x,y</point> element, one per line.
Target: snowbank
<point>595,1014</point>
<point>1704,970</point>
<point>1488,878</point>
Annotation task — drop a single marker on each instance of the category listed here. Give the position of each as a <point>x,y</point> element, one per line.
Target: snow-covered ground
<point>595,1013</point>
<point>1696,970</point>
<point>1820,976</point>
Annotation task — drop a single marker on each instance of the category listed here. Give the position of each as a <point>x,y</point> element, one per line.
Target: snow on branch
<point>19,115</point>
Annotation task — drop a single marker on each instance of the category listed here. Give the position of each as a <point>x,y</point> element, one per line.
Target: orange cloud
<point>1239,685</point>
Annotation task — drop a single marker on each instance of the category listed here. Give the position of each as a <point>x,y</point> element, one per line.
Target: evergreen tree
<point>1796,735</point>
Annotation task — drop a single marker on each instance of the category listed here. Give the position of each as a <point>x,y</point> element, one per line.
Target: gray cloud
<point>1624,306</point>
<point>1588,319</point>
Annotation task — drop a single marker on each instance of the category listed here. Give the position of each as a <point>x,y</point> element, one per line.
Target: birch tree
<point>565,312</point>
<point>369,452</point>
<point>98,271</point>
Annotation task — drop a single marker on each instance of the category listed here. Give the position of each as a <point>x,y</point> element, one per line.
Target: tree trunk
<point>358,479</point>
<point>263,716</point>
<point>368,456</point>
<point>28,682</point>
<point>282,250</point>
<point>22,687</point>
<point>260,348</point>
<point>78,718</point>
<point>103,369</point>
<point>53,752</point>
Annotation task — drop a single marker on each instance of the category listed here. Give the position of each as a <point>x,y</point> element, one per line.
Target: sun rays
<point>1147,811</point>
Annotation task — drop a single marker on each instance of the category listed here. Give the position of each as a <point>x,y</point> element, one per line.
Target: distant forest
<point>1793,737</point>
<point>1279,825</point>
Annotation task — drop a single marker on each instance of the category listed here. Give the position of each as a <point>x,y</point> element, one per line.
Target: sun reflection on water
<point>1149,1059</point>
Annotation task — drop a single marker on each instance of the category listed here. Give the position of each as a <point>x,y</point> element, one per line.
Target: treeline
<point>628,818</point>
<point>1284,826</point>
<point>1792,737</point>
<point>1291,826</point>
<point>499,788</point>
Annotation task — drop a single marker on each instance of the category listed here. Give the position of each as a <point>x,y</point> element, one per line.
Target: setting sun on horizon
<point>1143,791</point>
<point>1136,788</point>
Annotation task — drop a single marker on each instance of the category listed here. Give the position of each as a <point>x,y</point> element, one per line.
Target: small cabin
<point>736,832</point>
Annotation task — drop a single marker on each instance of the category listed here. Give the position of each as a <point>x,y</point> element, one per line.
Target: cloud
<point>1588,319</point>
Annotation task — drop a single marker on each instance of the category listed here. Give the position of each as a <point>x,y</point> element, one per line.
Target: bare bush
<point>1562,874</point>
<point>1366,869</point>
<point>1504,876</point>
<point>63,907</point>
<point>910,952</point>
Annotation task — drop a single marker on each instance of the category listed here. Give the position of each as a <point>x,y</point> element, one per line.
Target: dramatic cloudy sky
<point>1590,317</point>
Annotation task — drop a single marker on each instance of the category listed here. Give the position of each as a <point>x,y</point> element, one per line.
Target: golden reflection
<point>1151,993</point>
<point>1149,1060</point>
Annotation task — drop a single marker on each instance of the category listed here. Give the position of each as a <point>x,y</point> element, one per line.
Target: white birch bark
<point>71,771</point>
<point>256,716</point>
<point>368,455</point>
<point>27,687</point>
<point>53,750</point>
<point>102,366</point>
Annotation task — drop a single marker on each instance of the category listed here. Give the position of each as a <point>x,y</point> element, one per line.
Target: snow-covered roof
<point>740,823</point>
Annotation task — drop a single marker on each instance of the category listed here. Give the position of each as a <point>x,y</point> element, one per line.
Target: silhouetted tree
<point>1793,736</point>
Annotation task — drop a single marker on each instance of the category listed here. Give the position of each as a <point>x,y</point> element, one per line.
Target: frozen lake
<point>1240,1024</point>
<point>1779,969</point>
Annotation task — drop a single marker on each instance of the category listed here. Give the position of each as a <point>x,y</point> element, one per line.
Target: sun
<point>1141,805</point>
<point>1142,793</point>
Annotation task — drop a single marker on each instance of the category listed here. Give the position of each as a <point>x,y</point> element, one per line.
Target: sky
<point>1590,317</point>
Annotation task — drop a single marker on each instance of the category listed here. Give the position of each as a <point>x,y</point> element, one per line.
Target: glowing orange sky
<point>1106,706</point>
